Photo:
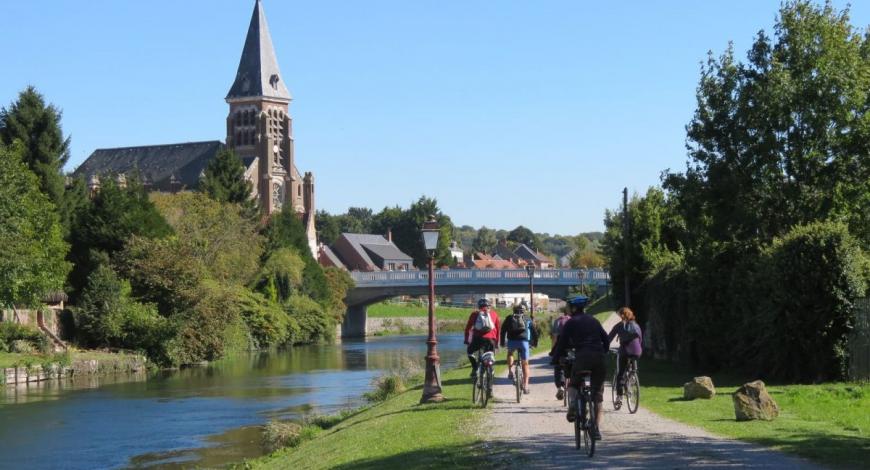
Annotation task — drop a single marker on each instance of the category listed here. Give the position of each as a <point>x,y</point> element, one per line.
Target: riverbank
<point>397,433</point>
<point>20,369</point>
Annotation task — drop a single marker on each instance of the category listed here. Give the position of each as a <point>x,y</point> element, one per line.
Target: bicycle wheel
<point>616,405</point>
<point>518,375</point>
<point>590,427</point>
<point>579,432</point>
<point>475,389</point>
<point>632,392</point>
<point>487,389</point>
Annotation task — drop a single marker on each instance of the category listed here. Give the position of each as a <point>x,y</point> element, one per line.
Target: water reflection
<point>203,416</point>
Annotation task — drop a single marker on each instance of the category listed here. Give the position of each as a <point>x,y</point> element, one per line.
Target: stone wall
<point>21,375</point>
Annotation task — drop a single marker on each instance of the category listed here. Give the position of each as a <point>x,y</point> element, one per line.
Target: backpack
<point>483,323</point>
<point>518,325</point>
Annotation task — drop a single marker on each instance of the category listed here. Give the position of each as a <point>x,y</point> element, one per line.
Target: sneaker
<point>572,415</point>
<point>596,434</point>
<point>526,390</point>
<point>560,394</point>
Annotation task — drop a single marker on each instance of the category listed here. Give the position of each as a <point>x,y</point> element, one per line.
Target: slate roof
<point>381,253</point>
<point>326,252</point>
<point>529,254</point>
<point>258,74</point>
<point>367,245</point>
<point>155,164</point>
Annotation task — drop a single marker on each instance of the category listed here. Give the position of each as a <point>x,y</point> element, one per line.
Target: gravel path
<point>537,429</point>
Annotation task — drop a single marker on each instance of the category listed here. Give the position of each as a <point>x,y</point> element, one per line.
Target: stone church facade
<point>259,131</point>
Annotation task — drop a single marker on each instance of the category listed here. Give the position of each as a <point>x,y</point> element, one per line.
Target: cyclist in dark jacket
<point>587,337</point>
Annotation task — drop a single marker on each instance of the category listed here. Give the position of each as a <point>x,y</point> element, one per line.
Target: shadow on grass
<point>832,450</point>
<point>470,455</point>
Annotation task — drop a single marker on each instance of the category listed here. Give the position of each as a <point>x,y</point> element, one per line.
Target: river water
<point>195,417</point>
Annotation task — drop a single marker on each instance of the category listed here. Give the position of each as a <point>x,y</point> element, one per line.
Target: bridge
<point>373,287</point>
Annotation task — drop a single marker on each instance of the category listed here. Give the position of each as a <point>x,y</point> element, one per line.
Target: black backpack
<point>518,325</point>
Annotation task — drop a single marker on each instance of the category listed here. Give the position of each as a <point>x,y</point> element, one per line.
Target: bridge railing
<point>461,276</point>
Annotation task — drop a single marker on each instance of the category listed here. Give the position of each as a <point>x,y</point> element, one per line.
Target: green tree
<point>485,241</point>
<point>224,180</point>
<point>32,249</point>
<point>327,226</point>
<point>112,217</point>
<point>285,230</point>
<point>36,125</point>
<point>524,235</point>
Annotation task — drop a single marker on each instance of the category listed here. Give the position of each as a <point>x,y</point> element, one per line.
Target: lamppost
<point>432,384</point>
<point>530,269</point>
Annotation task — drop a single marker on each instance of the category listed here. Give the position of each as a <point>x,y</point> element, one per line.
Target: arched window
<point>239,138</point>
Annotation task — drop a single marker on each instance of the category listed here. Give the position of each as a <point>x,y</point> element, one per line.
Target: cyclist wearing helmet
<point>520,332</point>
<point>481,331</point>
<point>587,337</point>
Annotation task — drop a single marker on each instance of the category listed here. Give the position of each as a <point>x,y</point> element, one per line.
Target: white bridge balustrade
<point>371,287</point>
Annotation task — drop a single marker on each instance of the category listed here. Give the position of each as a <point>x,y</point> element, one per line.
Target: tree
<point>224,180</point>
<point>32,250</point>
<point>44,150</point>
<point>285,230</point>
<point>485,241</point>
<point>525,236</point>
<point>327,226</point>
<point>112,217</point>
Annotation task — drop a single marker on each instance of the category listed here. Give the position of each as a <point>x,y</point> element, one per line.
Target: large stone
<point>751,401</point>
<point>699,387</point>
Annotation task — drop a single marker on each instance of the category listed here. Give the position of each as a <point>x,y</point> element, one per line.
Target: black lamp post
<point>432,384</point>
<point>530,269</point>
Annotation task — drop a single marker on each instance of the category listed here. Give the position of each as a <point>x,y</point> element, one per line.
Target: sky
<point>507,112</point>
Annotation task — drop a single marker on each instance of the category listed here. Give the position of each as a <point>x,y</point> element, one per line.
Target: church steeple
<point>258,75</point>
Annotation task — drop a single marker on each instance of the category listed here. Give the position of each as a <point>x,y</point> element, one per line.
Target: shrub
<point>14,336</point>
<point>308,323</point>
<point>277,435</point>
<point>815,274</point>
<point>386,386</point>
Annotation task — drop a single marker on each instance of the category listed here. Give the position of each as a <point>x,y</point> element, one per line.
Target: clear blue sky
<point>509,113</point>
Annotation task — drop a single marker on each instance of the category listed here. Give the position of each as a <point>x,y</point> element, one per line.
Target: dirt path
<point>537,429</point>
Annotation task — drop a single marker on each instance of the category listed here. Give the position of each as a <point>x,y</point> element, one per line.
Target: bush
<point>277,435</point>
<point>386,386</point>
<point>815,274</point>
<point>308,323</point>
<point>14,337</point>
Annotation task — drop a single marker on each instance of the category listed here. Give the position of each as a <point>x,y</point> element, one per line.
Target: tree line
<point>754,255</point>
<point>404,224</point>
<point>181,277</point>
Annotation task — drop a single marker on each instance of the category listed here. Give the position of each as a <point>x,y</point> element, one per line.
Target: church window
<point>299,191</point>
<point>239,138</point>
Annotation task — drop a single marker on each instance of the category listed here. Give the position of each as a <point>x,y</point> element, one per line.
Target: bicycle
<point>481,383</point>
<point>518,377</point>
<point>584,419</point>
<point>632,386</point>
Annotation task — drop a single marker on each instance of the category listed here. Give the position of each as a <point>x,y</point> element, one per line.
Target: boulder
<point>751,401</point>
<point>699,387</point>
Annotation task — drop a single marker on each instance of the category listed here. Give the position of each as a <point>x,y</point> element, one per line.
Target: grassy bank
<point>827,423</point>
<point>398,433</point>
<point>107,360</point>
<point>388,310</point>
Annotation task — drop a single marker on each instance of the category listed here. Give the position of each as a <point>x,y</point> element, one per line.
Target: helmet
<point>578,301</point>
<point>482,303</point>
<point>520,308</point>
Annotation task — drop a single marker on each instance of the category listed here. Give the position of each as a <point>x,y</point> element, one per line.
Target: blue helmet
<point>578,301</point>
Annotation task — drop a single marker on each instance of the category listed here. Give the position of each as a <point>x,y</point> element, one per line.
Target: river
<point>195,417</point>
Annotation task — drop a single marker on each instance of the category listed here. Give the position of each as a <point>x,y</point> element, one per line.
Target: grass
<point>827,423</point>
<point>602,307</point>
<point>22,360</point>
<point>397,433</point>
<point>388,310</point>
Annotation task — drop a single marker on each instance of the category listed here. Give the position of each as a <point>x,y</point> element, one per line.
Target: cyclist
<point>555,330</point>
<point>481,331</point>
<point>587,337</point>
<point>630,346</point>
<point>520,332</point>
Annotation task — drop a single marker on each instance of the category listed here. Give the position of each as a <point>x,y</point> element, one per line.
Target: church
<point>259,131</point>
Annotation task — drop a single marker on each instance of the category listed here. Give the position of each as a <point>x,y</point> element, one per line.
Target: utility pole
<point>626,228</point>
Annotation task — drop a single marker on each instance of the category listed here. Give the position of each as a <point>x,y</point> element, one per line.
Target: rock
<point>699,387</point>
<point>751,401</point>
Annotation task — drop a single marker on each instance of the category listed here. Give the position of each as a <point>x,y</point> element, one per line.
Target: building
<point>527,256</point>
<point>364,252</point>
<point>456,252</point>
<point>259,130</point>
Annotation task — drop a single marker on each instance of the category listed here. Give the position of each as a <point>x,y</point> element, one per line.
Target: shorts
<point>520,345</point>
<point>593,362</point>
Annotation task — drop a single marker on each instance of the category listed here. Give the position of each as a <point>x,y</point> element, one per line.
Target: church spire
<point>258,74</point>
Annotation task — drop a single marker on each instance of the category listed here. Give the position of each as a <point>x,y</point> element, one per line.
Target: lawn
<point>398,433</point>
<point>15,359</point>
<point>389,310</point>
<point>827,423</point>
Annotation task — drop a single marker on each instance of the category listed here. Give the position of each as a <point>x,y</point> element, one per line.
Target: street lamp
<point>432,384</point>
<point>530,269</point>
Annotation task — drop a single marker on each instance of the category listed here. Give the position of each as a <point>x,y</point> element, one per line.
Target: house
<point>327,258</point>
<point>365,252</point>
<point>504,252</point>
<point>565,261</point>
<point>456,252</point>
<point>484,261</point>
<point>531,256</point>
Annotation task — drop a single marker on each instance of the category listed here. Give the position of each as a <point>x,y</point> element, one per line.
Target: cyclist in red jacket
<point>481,331</point>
